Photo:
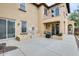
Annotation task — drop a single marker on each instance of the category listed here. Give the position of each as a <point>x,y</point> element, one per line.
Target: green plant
<point>48,35</point>
<point>17,38</point>
<point>75,17</point>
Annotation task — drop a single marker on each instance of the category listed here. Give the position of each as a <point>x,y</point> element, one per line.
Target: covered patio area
<point>53,27</point>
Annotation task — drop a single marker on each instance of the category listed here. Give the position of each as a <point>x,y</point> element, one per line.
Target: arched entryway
<point>70,29</point>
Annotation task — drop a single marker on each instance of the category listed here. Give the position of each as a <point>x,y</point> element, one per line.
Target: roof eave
<point>38,5</point>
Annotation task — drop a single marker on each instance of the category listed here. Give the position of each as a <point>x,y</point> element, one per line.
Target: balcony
<point>52,19</point>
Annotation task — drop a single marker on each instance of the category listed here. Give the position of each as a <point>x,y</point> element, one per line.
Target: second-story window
<point>45,11</point>
<point>57,11</point>
<point>22,6</point>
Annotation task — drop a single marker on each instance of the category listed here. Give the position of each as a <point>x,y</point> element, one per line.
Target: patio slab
<point>44,47</point>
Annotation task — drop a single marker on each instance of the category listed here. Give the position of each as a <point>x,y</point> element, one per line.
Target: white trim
<point>6,28</point>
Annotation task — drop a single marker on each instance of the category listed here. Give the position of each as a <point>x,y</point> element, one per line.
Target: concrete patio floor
<point>43,47</point>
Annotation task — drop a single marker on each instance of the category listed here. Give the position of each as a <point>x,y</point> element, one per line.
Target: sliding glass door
<point>2,29</point>
<point>11,28</point>
<point>7,29</point>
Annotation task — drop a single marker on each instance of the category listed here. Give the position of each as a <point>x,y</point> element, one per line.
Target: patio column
<point>54,28</point>
<point>51,28</point>
<point>62,29</point>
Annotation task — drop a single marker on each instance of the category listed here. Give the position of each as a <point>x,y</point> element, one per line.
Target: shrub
<point>17,38</point>
<point>48,35</point>
<point>77,31</point>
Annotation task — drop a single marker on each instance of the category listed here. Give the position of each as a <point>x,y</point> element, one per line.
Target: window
<point>22,7</point>
<point>23,27</point>
<point>7,28</point>
<point>11,28</point>
<point>45,11</point>
<point>57,11</point>
<point>2,29</point>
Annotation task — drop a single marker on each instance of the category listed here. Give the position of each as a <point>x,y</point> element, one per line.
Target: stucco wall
<point>11,10</point>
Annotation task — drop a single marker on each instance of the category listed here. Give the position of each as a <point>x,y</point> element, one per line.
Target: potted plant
<point>48,35</point>
<point>17,38</point>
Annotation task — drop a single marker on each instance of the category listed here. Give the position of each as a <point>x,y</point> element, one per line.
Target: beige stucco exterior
<point>62,19</point>
<point>11,11</point>
<point>34,16</point>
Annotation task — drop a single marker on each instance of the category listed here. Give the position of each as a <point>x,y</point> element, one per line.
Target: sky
<point>49,4</point>
<point>73,6</point>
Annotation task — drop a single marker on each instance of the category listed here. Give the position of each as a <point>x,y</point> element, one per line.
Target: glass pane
<point>56,11</point>
<point>11,29</point>
<point>23,26</point>
<point>22,6</point>
<point>2,29</point>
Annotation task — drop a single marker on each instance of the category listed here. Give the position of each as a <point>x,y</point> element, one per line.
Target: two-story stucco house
<point>21,19</point>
